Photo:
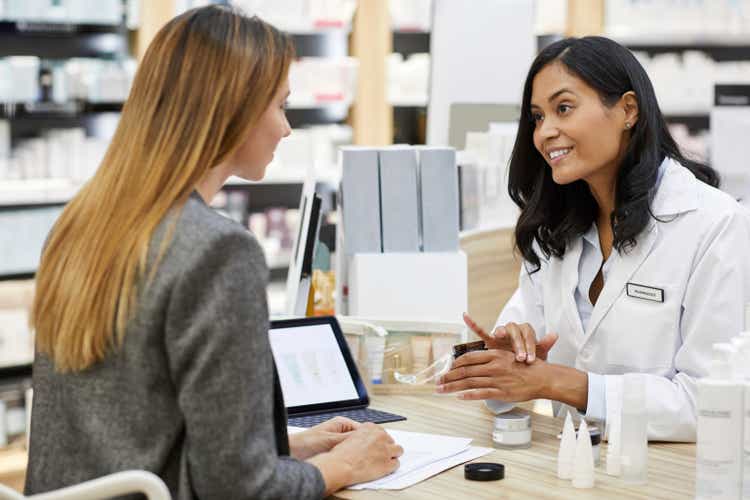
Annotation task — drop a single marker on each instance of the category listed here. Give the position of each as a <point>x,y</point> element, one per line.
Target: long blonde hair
<point>205,80</point>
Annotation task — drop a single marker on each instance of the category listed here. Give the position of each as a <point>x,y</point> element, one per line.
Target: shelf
<point>18,371</point>
<point>36,192</point>
<point>411,42</point>
<point>695,121</point>
<point>45,110</point>
<point>63,41</point>
<point>334,102</point>
<point>409,102</point>
<point>321,42</point>
<point>54,28</point>
<point>718,47</point>
<point>683,40</point>
<point>409,30</point>
<point>320,114</point>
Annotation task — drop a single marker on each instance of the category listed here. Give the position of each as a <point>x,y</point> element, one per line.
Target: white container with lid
<point>512,430</point>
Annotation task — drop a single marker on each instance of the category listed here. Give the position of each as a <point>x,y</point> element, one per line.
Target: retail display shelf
<point>409,30</point>
<point>36,192</point>
<point>276,180</point>
<point>409,102</point>
<point>686,113</point>
<point>686,40</point>
<point>18,111</point>
<point>51,27</point>
<point>332,102</point>
<point>320,29</point>
<point>15,371</point>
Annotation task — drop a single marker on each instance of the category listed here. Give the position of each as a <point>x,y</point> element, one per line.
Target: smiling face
<point>577,134</point>
<point>250,160</point>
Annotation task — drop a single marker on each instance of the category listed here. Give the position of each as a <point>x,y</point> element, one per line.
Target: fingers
<point>476,328</point>
<point>465,372</point>
<point>467,383</point>
<point>481,357</point>
<point>517,341</point>
<point>529,340</point>
<point>482,394</point>
<point>344,424</point>
<point>396,451</point>
<point>544,345</point>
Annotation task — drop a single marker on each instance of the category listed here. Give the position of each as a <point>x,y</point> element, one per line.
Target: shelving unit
<point>28,206</point>
<point>410,115</point>
<point>50,40</point>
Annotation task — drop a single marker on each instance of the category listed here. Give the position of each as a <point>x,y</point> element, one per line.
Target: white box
<point>408,286</point>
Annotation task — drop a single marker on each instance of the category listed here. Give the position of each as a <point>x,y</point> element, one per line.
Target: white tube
<point>375,351</point>
<point>634,436</point>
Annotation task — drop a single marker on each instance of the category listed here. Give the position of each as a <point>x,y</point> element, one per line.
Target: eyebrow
<point>555,96</point>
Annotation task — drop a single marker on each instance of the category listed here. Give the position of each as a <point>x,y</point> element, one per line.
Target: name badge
<point>645,292</point>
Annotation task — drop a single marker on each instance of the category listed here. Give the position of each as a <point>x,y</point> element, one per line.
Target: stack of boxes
<point>398,253</point>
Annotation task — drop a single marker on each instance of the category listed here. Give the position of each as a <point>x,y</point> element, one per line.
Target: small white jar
<point>512,431</point>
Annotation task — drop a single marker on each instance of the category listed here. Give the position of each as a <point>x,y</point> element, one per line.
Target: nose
<point>287,127</point>
<point>547,129</point>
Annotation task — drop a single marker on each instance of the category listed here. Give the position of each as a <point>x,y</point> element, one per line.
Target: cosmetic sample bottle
<point>633,430</point>
<point>719,443</point>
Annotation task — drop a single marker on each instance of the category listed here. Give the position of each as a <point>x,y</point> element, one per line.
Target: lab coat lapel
<point>569,284</point>
<point>626,265</point>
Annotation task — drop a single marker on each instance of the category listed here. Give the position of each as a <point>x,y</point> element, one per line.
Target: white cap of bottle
<point>567,452</point>
<point>583,467</point>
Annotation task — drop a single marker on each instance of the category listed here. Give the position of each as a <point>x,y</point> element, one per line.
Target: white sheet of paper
<point>420,450</point>
<point>426,472</point>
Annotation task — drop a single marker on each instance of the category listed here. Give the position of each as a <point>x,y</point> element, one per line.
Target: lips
<point>556,155</point>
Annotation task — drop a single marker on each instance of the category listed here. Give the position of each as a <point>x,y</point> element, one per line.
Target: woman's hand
<point>494,374</point>
<point>520,339</point>
<point>365,454</point>
<point>321,438</point>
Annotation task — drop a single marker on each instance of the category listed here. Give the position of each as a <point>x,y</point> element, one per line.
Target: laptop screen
<point>316,370</point>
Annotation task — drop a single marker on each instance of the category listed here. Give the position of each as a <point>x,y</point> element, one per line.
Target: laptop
<point>318,375</point>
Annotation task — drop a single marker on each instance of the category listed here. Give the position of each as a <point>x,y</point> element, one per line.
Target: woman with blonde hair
<point>150,313</point>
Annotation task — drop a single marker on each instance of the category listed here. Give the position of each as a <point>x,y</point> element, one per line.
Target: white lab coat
<point>699,257</point>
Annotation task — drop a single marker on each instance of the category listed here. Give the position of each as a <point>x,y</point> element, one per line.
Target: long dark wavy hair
<point>553,214</point>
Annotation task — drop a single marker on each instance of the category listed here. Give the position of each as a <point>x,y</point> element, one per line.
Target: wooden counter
<point>529,473</point>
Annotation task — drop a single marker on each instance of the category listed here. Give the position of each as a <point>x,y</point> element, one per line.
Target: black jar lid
<point>460,349</point>
<point>484,471</point>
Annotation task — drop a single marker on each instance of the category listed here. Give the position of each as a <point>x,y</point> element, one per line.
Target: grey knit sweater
<point>192,395</point>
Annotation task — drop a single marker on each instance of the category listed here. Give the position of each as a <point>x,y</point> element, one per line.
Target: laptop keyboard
<point>358,415</point>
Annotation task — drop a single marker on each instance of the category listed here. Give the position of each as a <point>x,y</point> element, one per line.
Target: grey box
<point>439,199</point>
<point>399,204</point>
<point>360,200</point>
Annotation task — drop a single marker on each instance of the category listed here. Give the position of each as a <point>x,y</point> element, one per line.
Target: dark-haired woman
<point>633,260</point>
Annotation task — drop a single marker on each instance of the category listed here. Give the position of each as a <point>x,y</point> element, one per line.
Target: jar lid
<point>512,421</point>
<point>484,471</point>
<point>461,349</point>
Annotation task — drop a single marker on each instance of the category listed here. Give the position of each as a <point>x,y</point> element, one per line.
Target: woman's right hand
<point>370,452</point>
<point>517,338</point>
<point>367,453</point>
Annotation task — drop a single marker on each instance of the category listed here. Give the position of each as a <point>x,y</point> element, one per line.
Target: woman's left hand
<point>321,438</point>
<point>494,374</point>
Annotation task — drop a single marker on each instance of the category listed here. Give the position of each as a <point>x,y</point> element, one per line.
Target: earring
<point>627,125</point>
